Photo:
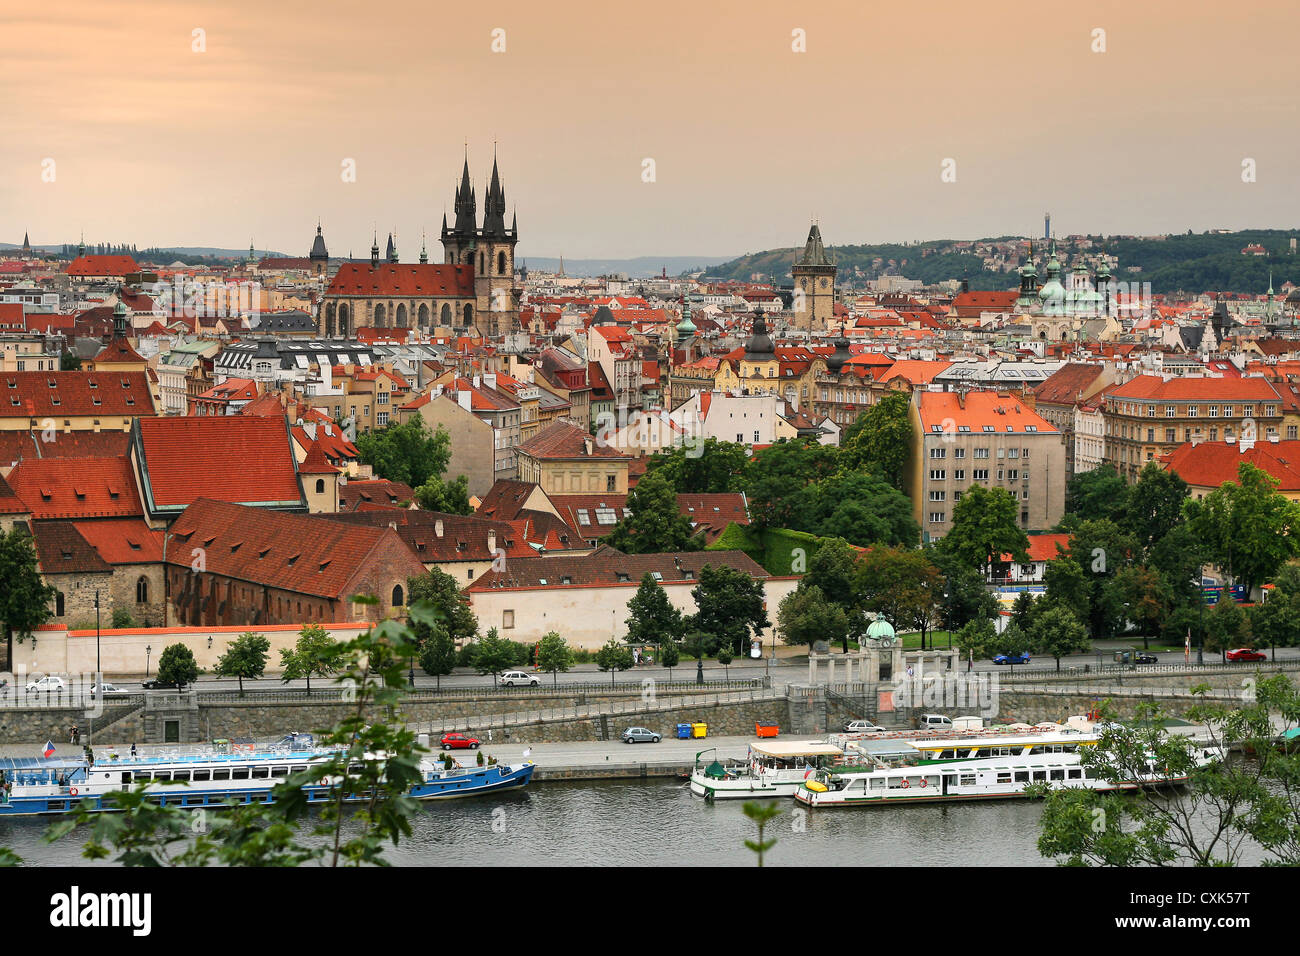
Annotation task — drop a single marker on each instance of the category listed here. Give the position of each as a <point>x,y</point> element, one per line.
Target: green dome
<point>881,629</point>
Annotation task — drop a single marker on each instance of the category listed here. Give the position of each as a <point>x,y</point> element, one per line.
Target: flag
<point>49,748</point>
<point>528,752</point>
<point>808,773</point>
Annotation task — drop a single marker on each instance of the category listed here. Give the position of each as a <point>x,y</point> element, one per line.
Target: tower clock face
<point>825,283</point>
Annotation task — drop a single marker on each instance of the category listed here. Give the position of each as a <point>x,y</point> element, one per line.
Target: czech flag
<point>49,748</point>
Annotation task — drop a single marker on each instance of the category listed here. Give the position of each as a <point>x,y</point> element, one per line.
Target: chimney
<point>477,381</point>
<point>463,397</point>
<point>310,429</point>
<point>586,446</point>
<point>437,527</point>
<point>492,541</point>
<point>490,380</point>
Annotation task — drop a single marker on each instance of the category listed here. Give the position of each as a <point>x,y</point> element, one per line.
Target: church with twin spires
<point>472,290</point>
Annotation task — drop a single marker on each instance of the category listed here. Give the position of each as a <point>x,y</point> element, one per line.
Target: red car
<point>1246,654</point>
<point>459,742</point>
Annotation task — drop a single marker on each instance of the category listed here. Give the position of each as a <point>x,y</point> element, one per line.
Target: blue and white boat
<point>213,778</point>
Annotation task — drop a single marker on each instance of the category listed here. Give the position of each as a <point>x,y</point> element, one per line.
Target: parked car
<point>156,684</point>
<point>459,742</point>
<point>1021,658</point>
<point>48,685</point>
<point>1246,654</point>
<point>106,690</point>
<point>515,678</point>
<point>933,722</point>
<point>863,727</point>
<point>1143,658</point>
<point>637,735</point>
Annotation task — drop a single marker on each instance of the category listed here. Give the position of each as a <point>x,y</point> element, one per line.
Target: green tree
<point>761,814</point>
<point>1057,631</point>
<point>447,497</point>
<point>25,598</point>
<point>316,654</point>
<point>975,638</point>
<point>406,452</point>
<point>1250,530</point>
<point>863,509</point>
<point>669,656</point>
<point>1068,586</point>
<point>652,617</point>
<point>1153,506</point>
<point>732,606</point>
<point>1226,626</point>
<point>778,473</point>
<point>494,655</point>
<point>245,658</point>
<point>613,657</point>
<point>697,468</point>
<point>880,441</point>
<point>176,665</point>
<point>449,607</point>
<point>985,525</point>
<point>1012,641</point>
<point>437,651</point>
<point>68,362</point>
<point>656,524</point>
<point>965,596</point>
<point>1100,493</point>
<point>902,585</point>
<point>725,657</point>
<point>122,618</point>
<point>554,655</point>
<point>805,616</point>
<point>1145,598</point>
<point>1276,622</point>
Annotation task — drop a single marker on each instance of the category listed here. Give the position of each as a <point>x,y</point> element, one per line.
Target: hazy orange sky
<point>158,145</point>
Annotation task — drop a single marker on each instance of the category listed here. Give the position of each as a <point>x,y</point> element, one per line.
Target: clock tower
<point>814,286</point>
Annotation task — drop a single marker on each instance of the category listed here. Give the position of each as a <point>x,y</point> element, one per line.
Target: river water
<point>659,823</point>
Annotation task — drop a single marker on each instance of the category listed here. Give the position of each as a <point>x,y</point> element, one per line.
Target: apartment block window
<point>959,474</point>
<point>1214,411</point>
<point>1169,411</point>
<point>1290,433</point>
<point>1002,453</point>
<point>1024,453</point>
<point>938,474</point>
<point>938,496</point>
<point>1024,516</point>
<point>1013,452</point>
<point>755,438</point>
<point>507,619</point>
<point>936,453</point>
<point>1151,434</point>
<point>936,517</point>
<point>1187,434</point>
<point>610,483</point>
<point>980,474</point>
<point>1025,494</point>
<point>1013,474</point>
<point>381,419</point>
<point>1151,411</point>
<point>1270,411</point>
<point>959,453</point>
<point>1248,410</point>
<point>981,452</point>
<point>1214,434</point>
<point>1169,434</point>
<point>1000,474</point>
<point>1191,411</point>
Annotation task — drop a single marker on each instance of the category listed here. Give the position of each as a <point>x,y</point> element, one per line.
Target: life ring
<point>924,783</point>
<point>906,784</point>
<point>72,791</point>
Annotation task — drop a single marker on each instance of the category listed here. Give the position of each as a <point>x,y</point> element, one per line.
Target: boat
<point>771,769</point>
<point>214,777</point>
<point>976,768</point>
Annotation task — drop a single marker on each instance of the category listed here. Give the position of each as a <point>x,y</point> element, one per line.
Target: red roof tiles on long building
<point>77,487</point>
<point>403,280</point>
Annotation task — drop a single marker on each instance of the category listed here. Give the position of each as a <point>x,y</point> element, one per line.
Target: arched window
<point>501,263</point>
<point>142,590</point>
<point>397,596</point>
<point>445,315</point>
<point>469,315</point>
<point>320,486</point>
<point>58,603</point>
<point>480,263</point>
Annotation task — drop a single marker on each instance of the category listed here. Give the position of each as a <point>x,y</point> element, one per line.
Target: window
<point>959,453</point>
<point>142,590</point>
<point>58,604</point>
<point>507,619</point>
<point>938,474</point>
<point>398,595</point>
<point>1169,434</point>
<point>936,517</point>
<point>1191,411</point>
<point>980,474</point>
<point>1024,453</point>
<point>937,453</point>
<point>1013,474</point>
<point>959,474</point>
<point>938,495</point>
<point>981,452</point>
<point>1214,411</point>
<point>610,480</point>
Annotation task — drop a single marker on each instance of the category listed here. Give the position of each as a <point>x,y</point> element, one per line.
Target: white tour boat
<point>772,769</point>
<point>974,768</point>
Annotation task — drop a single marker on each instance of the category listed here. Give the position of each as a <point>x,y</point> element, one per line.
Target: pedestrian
<point>970,665</point>
<point>74,737</point>
<point>90,757</point>
<point>133,751</point>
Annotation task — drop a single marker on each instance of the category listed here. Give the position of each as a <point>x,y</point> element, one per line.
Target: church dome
<point>881,629</point>
<point>835,363</point>
<point>686,326</point>
<point>759,348</point>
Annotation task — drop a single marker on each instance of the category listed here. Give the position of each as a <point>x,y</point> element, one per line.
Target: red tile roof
<point>403,280</point>
<point>231,458</point>
<point>77,487</point>
<point>1002,412</point>
<point>1042,547</point>
<point>18,445</point>
<point>606,567</point>
<point>103,266</point>
<point>61,549</point>
<point>1156,389</point>
<point>463,538</point>
<point>1210,464</point>
<point>1069,384</point>
<point>301,553</point>
<point>60,395</point>
<point>379,491</point>
<point>565,441</point>
<point>123,540</point>
<point>10,503</point>
<point>315,463</point>
<point>972,304</point>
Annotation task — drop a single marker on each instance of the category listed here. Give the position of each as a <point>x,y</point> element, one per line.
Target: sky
<point>166,122</point>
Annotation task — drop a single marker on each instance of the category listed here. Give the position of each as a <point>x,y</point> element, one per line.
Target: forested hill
<point>1191,263</point>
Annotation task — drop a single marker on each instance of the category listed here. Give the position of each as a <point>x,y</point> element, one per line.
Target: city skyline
<point>247,137</point>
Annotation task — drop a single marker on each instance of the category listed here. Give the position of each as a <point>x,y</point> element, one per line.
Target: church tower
<point>494,269</point>
<point>319,255</point>
<point>458,242</point>
<point>814,285</point>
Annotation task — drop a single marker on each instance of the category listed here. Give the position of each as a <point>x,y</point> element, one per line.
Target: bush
<point>122,618</point>
<point>466,656</point>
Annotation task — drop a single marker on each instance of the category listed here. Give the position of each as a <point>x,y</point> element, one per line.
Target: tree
<point>1226,626</point>
<point>669,655</point>
<point>1227,807</point>
<point>732,606</point>
<point>1153,506</point>
<point>805,616</point>
<point>25,598</point>
<point>1102,549</point>
<point>437,652</point>
<point>965,596</point>
<point>863,509</point>
<point>1013,641</point>
<point>1145,598</point>
<point>975,638</point>
<point>1276,622</point>
<point>902,585</point>
<point>652,617</point>
<point>779,472</point>
<point>1068,586</point>
<point>655,525</point>
<point>880,441</point>
<point>834,568</point>
<point>494,655</point>
<point>1100,493</point>
<point>614,657</point>
<point>316,654</point>
<point>447,497</point>
<point>176,665</point>
<point>1057,631</point>
<point>554,655</point>
<point>725,657</point>
<point>406,452</point>
<point>985,525</point>
<point>1249,528</point>
<point>68,362</point>
<point>448,604</point>
<point>245,657</point>
<point>122,618</point>
<point>708,467</point>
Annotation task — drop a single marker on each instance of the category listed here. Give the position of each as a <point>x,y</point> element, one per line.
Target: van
<point>933,722</point>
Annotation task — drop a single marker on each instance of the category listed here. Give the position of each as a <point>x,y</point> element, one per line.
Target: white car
<point>863,727</point>
<point>516,678</point>
<point>107,689</point>
<point>48,685</point>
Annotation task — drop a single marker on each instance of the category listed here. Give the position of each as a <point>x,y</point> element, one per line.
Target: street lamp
<point>99,670</point>
<point>147,649</point>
